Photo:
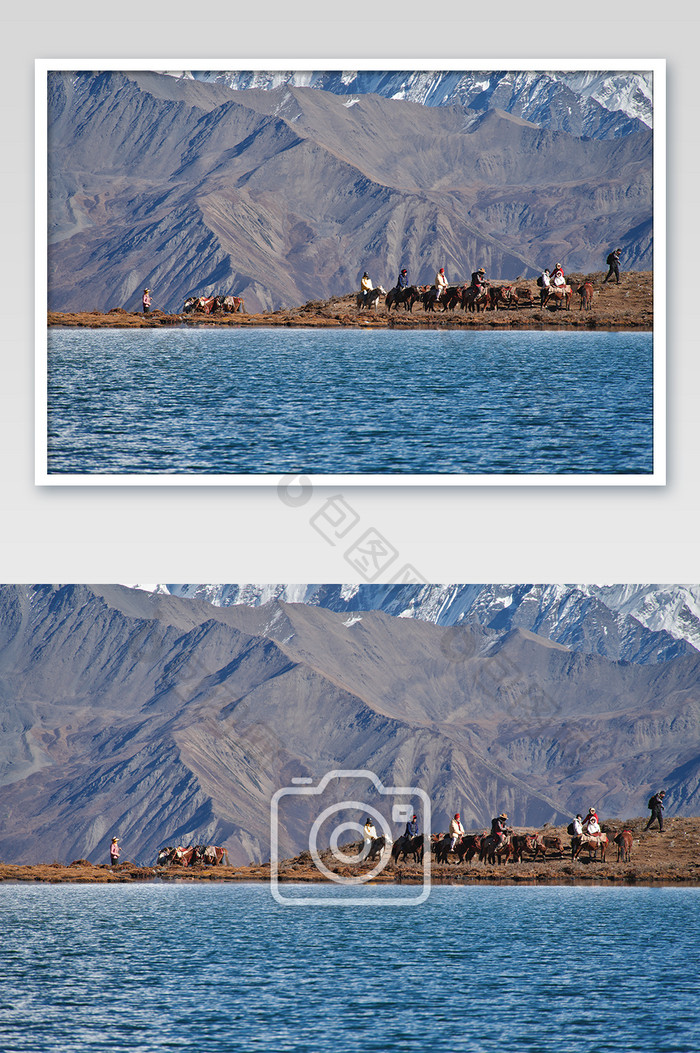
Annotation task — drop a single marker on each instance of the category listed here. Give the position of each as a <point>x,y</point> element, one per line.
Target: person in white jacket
<point>440,282</point>
<point>456,831</point>
<point>366,286</point>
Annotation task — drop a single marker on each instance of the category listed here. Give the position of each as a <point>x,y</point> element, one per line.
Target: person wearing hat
<point>370,832</point>
<point>613,262</point>
<point>146,300</point>
<point>591,826</point>
<point>456,831</point>
<point>656,804</point>
<point>498,827</point>
<point>440,283</point>
<point>365,287</point>
<point>412,827</point>
<point>402,280</point>
<point>558,279</point>
<point>114,851</point>
<point>478,278</point>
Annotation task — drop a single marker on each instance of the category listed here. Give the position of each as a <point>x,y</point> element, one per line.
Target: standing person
<point>366,287</point>
<point>402,281</point>
<point>114,851</point>
<point>613,262</point>
<point>456,831</point>
<point>656,805</point>
<point>440,283</point>
<point>146,300</point>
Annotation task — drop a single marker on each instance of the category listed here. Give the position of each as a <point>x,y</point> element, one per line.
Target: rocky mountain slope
<point>169,720</point>
<point>286,195</point>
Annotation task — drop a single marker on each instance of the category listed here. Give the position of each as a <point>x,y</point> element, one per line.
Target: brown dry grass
<point>625,306</point>
<point>671,857</point>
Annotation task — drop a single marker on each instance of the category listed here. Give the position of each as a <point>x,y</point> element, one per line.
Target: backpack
<point>652,802</point>
<point>570,829</point>
<point>539,281</point>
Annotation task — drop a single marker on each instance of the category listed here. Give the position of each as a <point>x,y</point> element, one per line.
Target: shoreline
<point>628,306</point>
<point>600,874</point>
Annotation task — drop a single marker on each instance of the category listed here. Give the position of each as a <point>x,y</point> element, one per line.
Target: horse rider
<point>456,831</point>
<point>656,804</point>
<point>498,827</point>
<point>146,300</point>
<point>591,825</point>
<point>402,280</point>
<point>479,279</point>
<point>440,283</point>
<point>366,287</point>
<point>558,279</point>
<point>412,827</point>
<point>369,832</point>
<point>613,262</point>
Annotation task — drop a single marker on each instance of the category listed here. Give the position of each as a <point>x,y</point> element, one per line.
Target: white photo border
<point>657,477</point>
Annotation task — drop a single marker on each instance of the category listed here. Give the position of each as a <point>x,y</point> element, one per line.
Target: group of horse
<point>490,848</point>
<point>193,855</point>
<point>213,305</point>
<point>475,299</point>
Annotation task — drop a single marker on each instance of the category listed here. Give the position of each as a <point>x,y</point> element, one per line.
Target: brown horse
<point>500,294</point>
<point>559,294</point>
<point>585,292</point>
<point>592,842</point>
<point>494,849</point>
<point>474,299</point>
<point>624,846</point>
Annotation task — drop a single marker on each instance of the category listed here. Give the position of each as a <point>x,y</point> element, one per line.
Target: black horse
<point>407,297</point>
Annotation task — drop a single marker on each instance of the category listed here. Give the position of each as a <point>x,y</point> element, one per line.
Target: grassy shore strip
<point>615,307</point>
<point>668,858</point>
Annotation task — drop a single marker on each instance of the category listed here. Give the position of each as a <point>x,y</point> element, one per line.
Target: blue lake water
<point>279,401</point>
<point>158,967</point>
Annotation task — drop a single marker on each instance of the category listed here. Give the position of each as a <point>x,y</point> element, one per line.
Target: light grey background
<point>447,534</point>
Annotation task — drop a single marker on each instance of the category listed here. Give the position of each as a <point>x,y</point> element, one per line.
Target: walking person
<point>613,262</point>
<point>114,851</point>
<point>146,300</point>
<point>656,805</point>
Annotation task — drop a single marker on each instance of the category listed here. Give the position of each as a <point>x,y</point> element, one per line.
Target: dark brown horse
<point>624,842</point>
<point>585,292</point>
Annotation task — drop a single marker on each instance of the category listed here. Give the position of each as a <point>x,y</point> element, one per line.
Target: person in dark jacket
<point>498,826</point>
<point>402,281</point>
<point>412,827</point>
<point>613,262</point>
<point>656,804</point>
